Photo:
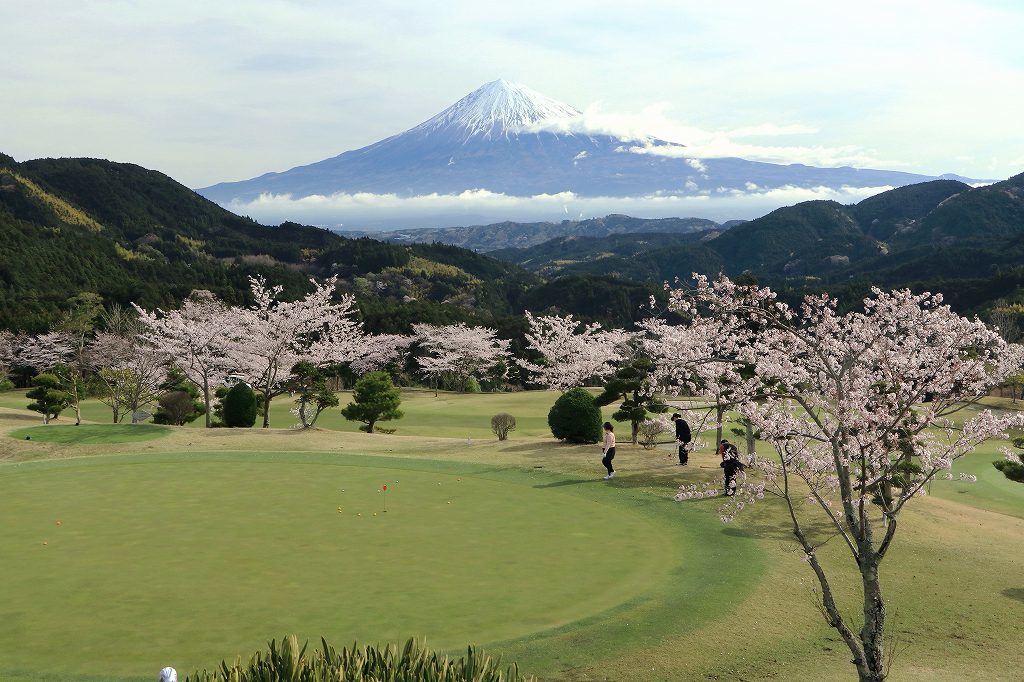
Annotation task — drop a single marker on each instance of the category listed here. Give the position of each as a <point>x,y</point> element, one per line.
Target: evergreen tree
<point>240,406</point>
<point>374,399</point>
<point>312,394</point>
<point>631,384</point>
<point>50,396</point>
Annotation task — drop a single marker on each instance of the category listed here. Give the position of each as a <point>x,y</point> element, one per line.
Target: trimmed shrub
<point>575,418</point>
<point>1012,470</point>
<point>239,406</point>
<point>6,385</point>
<point>415,662</point>
<point>472,385</point>
<point>501,424</point>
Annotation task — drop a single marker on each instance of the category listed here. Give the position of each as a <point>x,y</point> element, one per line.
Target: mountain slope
<point>505,138</point>
<point>132,234</point>
<point>910,234</point>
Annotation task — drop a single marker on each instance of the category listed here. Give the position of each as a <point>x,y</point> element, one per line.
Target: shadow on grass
<point>732,531</point>
<point>574,481</point>
<point>1014,593</point>
<point>17,416</point>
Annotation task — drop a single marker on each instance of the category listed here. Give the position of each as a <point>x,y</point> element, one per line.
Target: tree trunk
<point>78,405</point>
<point>636,430</point>
<point>206,400</point>
<point>369,425</point>
<point>266,408</point>
<point>750,437</point>
<point>719,415</point>
<point>873,631</point>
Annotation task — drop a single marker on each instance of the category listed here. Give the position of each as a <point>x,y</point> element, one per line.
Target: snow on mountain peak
<point>498,108</point>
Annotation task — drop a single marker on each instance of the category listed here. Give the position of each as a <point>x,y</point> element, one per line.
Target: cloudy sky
<point>216,91</point>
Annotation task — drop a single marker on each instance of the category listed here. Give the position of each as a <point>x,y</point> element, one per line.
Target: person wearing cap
<point>683,438</point>
<point>168,674</point>
<point>732,465</point>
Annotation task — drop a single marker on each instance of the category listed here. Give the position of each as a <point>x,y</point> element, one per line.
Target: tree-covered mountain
<point>132,234</point>
<point>941,230</point>
<point>129,234</point>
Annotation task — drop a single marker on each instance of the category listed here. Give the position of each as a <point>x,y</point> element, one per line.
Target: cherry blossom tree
<point>702,358</point>
<point>9,345</point>
<point>572,352</point>
<point>858,409</point>
<point>275,335</point>
<point>197,336</point>
<point>379,351</point>
<point>56,353</point>
<point>46,351</point>
<point>130,369</point>
<point>454,353</point>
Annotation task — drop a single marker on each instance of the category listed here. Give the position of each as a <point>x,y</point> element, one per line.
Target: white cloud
<point>209,92</point>
<point>390,211</point>
<point>653,124</point>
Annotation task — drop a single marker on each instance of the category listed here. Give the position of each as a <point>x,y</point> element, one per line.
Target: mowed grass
<point>129,560</point>
<point>92,433</point>
<point>734,602</point>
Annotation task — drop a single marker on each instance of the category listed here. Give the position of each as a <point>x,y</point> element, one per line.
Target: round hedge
<point>240,406</point>
<point>575,418</point>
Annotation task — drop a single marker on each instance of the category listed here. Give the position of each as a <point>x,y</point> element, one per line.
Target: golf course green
<point>127,560</point>
<point>91,433</point>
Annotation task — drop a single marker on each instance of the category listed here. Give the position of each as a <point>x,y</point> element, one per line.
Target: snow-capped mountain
<point>509,139</point>
<point>496,109</point>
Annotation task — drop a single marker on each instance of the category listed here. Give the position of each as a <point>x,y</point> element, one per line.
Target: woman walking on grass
<point>608,449</point>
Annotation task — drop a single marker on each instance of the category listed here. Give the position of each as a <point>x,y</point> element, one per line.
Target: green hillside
<point>132,234</point>
<point>941,235</point>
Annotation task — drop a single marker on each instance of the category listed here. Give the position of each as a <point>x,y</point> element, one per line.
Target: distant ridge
<point>510,234</point>
<point>933,232</point>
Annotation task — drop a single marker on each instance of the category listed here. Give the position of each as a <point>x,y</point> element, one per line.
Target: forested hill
<point>130,234</point>
<point>942,235</point>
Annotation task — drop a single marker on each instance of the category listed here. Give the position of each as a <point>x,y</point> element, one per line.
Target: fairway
<point>194,558</point>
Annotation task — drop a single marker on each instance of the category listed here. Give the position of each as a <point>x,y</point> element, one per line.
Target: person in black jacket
<point>683,438</point>
<point>732,465</point>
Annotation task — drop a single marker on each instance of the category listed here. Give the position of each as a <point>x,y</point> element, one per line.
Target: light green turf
<point>992,491</point>
<point>193,558</point>
<point>92,433</point>
<point>447,415</point>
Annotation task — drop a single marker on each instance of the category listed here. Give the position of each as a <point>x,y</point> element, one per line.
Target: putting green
<point>91,433</point>
<point>115,566</point>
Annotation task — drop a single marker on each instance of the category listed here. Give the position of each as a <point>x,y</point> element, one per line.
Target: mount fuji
<point>510,140</point>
